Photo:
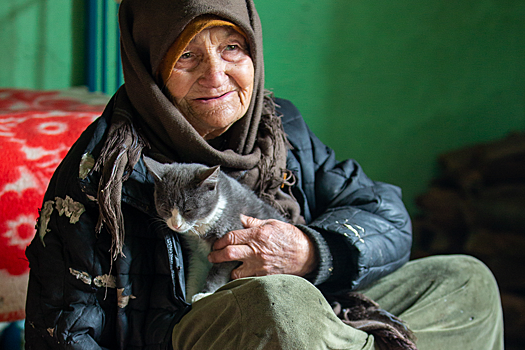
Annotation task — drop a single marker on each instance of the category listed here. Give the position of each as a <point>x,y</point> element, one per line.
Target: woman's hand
<point>266,247</point>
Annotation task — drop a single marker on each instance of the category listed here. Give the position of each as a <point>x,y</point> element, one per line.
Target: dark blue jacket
<point>79,299</point>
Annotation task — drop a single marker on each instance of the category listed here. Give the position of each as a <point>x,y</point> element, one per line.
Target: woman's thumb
<point>248,221</point>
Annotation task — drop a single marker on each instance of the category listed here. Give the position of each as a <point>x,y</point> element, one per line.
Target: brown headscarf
<point>254,148</point>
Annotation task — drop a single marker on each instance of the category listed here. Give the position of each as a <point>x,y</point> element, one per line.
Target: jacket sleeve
<point>66,280</point>
<point>361,227</point>
<point>62,311</point>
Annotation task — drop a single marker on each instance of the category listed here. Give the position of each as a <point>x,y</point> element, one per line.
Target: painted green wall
<point>389,83</point>
<point>42,43</point>
<point>395,83</point>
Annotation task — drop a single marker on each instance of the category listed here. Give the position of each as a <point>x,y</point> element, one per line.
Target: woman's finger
<point>249,222</point>
<point>238,237</point>
<point>231,253</point>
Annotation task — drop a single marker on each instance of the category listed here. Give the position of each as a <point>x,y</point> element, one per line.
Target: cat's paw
<point>199,296</point>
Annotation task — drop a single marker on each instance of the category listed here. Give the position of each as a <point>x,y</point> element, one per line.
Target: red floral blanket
<point>37,129</point>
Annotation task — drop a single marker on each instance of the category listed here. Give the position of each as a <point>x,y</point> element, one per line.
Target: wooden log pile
<point>477,206</point>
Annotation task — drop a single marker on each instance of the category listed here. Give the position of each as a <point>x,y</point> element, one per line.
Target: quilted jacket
<point>79,299</point>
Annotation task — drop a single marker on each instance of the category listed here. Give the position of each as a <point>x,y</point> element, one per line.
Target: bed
<point>36,130</point>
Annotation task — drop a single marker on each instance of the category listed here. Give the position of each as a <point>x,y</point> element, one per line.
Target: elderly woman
<point>105,274</point>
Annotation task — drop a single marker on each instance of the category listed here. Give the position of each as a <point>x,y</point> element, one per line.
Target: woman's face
<point>212,82</point>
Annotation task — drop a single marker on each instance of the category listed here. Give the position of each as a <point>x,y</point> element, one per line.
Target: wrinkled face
<point>212,82</point>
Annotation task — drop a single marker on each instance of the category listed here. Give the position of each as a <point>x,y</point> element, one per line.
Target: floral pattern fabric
<point>37,128</point>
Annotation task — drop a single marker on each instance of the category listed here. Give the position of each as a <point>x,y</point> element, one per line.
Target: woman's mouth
<point>214,98</point>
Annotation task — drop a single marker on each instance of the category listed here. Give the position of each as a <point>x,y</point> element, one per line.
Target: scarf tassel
<point>121,152</point>
<point>361,312</point>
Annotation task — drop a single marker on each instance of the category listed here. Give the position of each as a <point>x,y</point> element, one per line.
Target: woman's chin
<point>214,121</point>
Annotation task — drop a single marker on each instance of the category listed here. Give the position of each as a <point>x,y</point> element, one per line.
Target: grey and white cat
<point>203,204</point>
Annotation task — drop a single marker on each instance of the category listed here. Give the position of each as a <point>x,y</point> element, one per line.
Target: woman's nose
<point>214,71</point>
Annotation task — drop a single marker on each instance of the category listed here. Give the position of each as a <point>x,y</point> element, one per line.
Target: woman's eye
<point>187,60</point>
<point>234,52</point>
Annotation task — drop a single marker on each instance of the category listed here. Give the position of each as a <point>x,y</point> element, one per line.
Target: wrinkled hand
<point>266,247</point>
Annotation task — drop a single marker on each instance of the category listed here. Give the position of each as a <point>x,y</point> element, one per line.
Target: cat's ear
<point>155,168</point>
<point>210,177</point>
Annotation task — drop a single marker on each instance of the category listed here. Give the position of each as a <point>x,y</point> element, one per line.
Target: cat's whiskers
<point>194,231</point>
<point>157,219</point>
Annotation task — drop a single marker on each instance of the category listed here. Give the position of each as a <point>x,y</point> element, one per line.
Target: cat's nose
<point>175,225</point>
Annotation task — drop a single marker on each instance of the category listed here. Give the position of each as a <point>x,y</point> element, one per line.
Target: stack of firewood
<point>477,207</point>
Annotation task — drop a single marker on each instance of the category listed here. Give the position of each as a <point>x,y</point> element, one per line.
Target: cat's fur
<point>203,204</point>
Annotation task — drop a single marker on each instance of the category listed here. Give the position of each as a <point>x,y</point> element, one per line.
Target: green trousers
<point>450,302</point>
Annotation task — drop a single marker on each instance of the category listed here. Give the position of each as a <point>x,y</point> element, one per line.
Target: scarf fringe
<point>119,155</point>
<point>361,312</point>
<point>273,174</point>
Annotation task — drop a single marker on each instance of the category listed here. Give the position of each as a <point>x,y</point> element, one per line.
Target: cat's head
<point>186,195</point>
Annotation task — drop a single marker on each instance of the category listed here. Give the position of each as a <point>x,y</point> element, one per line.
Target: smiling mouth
<point>213,97</point>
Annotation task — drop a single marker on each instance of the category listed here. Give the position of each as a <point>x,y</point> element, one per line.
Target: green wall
<point>389,83</point>
<point>395,83</point>
<point>42,43</point>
